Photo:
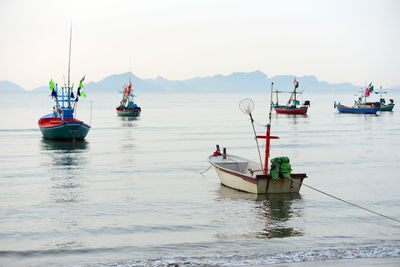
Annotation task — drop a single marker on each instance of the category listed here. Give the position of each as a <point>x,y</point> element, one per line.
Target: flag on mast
<point>80,88</point>
<point>296,83</point>
<point>51,84</point>
<point>81,85</point>
<point>369,89</point>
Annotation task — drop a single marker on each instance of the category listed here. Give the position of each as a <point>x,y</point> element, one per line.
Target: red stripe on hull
<point>291,111</point>
<point>51,122</point>
<point>241,176</point>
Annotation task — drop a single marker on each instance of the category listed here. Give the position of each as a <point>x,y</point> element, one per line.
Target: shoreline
<point>387,262</point>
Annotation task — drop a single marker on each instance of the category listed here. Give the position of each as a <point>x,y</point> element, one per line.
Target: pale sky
<point>337,41</point>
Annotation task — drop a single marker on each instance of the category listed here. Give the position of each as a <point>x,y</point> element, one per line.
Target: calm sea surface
<point>132,195</point>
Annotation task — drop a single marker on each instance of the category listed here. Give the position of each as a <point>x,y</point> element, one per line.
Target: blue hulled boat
<point>364,109</point>
<point>361,106</point>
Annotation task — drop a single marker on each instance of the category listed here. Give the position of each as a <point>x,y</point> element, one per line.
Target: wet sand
<point>387,262</point>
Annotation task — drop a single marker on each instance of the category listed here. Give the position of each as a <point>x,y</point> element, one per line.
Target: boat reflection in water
<point>67,190</point>
<point>129,121</point>
<point>273,214</point>
<point>293,119</point>
<point>57,145</point>
<point>66,160</point>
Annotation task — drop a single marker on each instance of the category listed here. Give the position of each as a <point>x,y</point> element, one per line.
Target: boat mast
<point>69,57</point>
<point>247,106</point>
<point>268,136</point>
<point>365,97</point>
<point>69,68</point>
<point>294,92</point>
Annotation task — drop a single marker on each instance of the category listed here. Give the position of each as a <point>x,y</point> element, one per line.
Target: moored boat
<point>127,107</point>
<point>62,124</point>
<point>293,105</point>
<point>59,127</point>
<point>384,106</point>
<point>245,175</point>
<point>361,106</point>
<point>258,178</point>
<point>365,109</point>
<point>290,109</point>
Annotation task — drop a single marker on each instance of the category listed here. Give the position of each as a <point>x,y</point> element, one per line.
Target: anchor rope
<point>348,202</point>
<point>335,197</point>
<point>206,169</point>
<point>259,124</point>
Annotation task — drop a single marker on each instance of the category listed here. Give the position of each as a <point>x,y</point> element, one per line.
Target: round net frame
<point>246,106</point>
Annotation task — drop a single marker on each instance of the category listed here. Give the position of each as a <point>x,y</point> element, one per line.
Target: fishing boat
<point>382,101</point>
<point>127,107</point>
<point>387,107</point>
<point>293,105</point>
<point>361,109</point>
<point>256,177</point>
<point>62,124</point>
<point>361,106</point>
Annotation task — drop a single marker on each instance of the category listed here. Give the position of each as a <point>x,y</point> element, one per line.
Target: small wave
<point>384,251</point>
<point>19,130</point>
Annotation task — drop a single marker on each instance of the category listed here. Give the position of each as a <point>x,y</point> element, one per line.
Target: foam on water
<point>334,253</point>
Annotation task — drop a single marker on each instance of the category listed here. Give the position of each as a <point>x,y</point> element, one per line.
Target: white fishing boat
<point>256,177</point>
<point>245,175</point>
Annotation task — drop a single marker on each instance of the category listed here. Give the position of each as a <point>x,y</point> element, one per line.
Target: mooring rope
<point>259,124</point>
<point>348,202</point>
<point>332,196</point>
<point>206,169</point>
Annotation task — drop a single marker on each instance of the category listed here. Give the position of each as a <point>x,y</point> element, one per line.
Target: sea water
<point>132,194</point>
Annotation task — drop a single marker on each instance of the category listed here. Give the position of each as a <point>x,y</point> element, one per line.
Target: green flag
<point>81,82</point>
<point>83,94</point>
<point>370,87</point>
<point>51,85</point>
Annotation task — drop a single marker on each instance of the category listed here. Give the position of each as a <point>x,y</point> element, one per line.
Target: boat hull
<point>346,109</point>
<point>63,130</point>
<point>386,107</point>
<point>256,184</point>
<point>128,112</point>
<point>290,110</point>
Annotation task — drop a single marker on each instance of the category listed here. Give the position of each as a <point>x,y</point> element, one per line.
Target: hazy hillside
<point>237,81</point>
<point>10,87</point>
<point>115,83</point>
<point>255,81</point>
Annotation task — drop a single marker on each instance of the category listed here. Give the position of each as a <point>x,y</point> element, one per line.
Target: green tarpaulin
<point>280,167</point>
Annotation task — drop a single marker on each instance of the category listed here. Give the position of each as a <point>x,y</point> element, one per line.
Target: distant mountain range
<point>235,82</point>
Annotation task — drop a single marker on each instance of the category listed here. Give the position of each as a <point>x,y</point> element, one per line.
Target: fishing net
<point>246,106</point>
<point>280,167</point>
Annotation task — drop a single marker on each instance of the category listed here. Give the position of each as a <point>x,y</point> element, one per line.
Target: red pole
<point>267,143</point>
<point>267,138</point>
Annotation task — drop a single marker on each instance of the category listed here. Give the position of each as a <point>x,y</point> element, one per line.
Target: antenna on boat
<point>69,57</point>
<point>65,84</point>
<point>270,103</point>
<point>91,110</point>
<point>247,106</point>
